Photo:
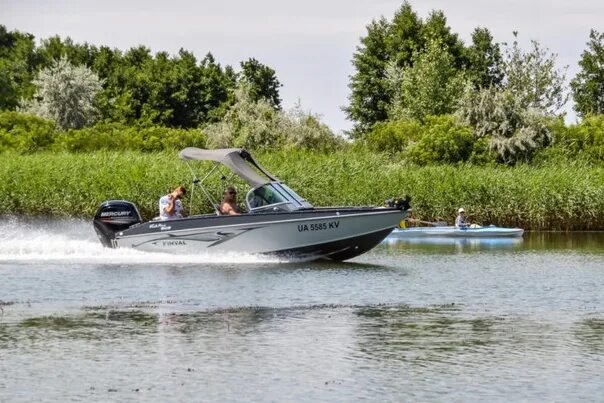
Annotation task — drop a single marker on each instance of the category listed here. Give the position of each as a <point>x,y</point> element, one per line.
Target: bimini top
<point>236,159</point>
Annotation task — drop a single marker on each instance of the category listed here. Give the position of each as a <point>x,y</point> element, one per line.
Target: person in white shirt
<point>170,206</point>
<point>460,221</point>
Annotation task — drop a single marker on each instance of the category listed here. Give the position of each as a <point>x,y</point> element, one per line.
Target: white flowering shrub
<point>515,132</point>
<point>258,125</point>
<point>65,94</point>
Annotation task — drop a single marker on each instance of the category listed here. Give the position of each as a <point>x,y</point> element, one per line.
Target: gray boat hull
<point>336,234</point>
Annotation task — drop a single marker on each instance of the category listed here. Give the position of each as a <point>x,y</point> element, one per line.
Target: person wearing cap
<point>170,206</point>
<point>229,204</point>
<point>460,221</point>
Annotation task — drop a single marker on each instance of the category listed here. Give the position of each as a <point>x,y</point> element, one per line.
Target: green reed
<point>569,197</point>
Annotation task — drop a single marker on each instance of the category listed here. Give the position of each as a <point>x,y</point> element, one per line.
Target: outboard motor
<point>399,203</point>
<point>114,216</point>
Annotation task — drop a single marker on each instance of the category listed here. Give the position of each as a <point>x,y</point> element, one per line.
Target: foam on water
<point>74,241</point>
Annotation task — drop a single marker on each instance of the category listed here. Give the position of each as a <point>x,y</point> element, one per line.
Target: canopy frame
<point>236,159</point>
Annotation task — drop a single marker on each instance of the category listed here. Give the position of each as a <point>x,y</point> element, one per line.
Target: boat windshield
<point>274,196</point>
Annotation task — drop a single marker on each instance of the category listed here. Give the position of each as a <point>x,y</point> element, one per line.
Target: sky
<point>309,43</point>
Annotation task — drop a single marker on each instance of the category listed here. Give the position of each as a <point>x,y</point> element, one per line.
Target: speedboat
<point>277,220</point>
<point>453,232</point>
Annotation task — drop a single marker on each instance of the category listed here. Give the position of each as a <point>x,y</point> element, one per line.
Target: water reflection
<point>542,241</point>
<point>420,334</point>
<point>590,332</point>
<point>381,332</point>
<point>85,325</point>
<point>442,244</point>
<point>444,333</point>
<point>349,352</point>
<point>584,241</point>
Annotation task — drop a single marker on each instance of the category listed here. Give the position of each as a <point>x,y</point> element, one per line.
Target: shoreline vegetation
<point>452,123</point>
<point>564,198</point>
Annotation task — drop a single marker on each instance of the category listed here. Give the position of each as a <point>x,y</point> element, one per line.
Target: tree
<point>66,95</point>
<point>431,86</point>
<point>404,37</point>
<point>588,85</point>
<point>394,45</point>
<point>262,82</point>
<point>533,76</point>
<point>514,115</point>
<point>435,29</point>
<point>174,91</point>
<point>217,86</point>
<point>54,48</point>
<point>17,67</point>
<point>369,98</point>
<point>485,63</point>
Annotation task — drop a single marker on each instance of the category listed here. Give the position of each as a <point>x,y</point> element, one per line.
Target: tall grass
<point>567,197</point>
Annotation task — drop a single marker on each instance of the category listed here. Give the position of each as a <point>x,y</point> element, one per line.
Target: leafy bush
<point>393,136</point>
<point>583,141</point>
<point>587,138</point>
<point>25,133</point>
<point>115,136</point>
<point>443,140</point>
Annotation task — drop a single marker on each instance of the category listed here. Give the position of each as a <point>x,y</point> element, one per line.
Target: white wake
<point>74,241</point>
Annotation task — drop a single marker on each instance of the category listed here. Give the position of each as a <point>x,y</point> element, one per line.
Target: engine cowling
<point>112,217</point>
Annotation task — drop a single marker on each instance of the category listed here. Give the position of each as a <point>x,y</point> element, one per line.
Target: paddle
<point>432,223</point>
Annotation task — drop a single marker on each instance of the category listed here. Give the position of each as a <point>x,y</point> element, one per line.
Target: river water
<point>443,320</point>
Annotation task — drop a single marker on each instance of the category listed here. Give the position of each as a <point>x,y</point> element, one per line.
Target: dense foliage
<point>137,86</point>
<point>584,141</point>
<point>399,44</point>
<point>68,184</point>
<point>25,133</point>
<point>444,141</point>
<point>411,69</point>
<point>588,85</point>
<point>253,125</point>
<point>407,69</point>
<point>433,117</point>
<point>513,131</point>
<point>432,86</point>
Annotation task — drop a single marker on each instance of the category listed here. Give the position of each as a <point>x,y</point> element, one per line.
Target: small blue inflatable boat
<point>452,232</point>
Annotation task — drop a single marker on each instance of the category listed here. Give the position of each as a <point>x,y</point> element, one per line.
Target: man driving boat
<point>229,204</point>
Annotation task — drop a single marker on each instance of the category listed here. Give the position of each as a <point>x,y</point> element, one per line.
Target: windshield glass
<point>296,196</point>
<point>263,196</point>
<point>274,196</point>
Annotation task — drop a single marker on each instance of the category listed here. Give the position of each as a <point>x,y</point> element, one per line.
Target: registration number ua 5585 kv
<point>319,226</point>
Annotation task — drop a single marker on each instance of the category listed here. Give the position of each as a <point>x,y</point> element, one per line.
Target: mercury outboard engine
<point>114,216</point>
